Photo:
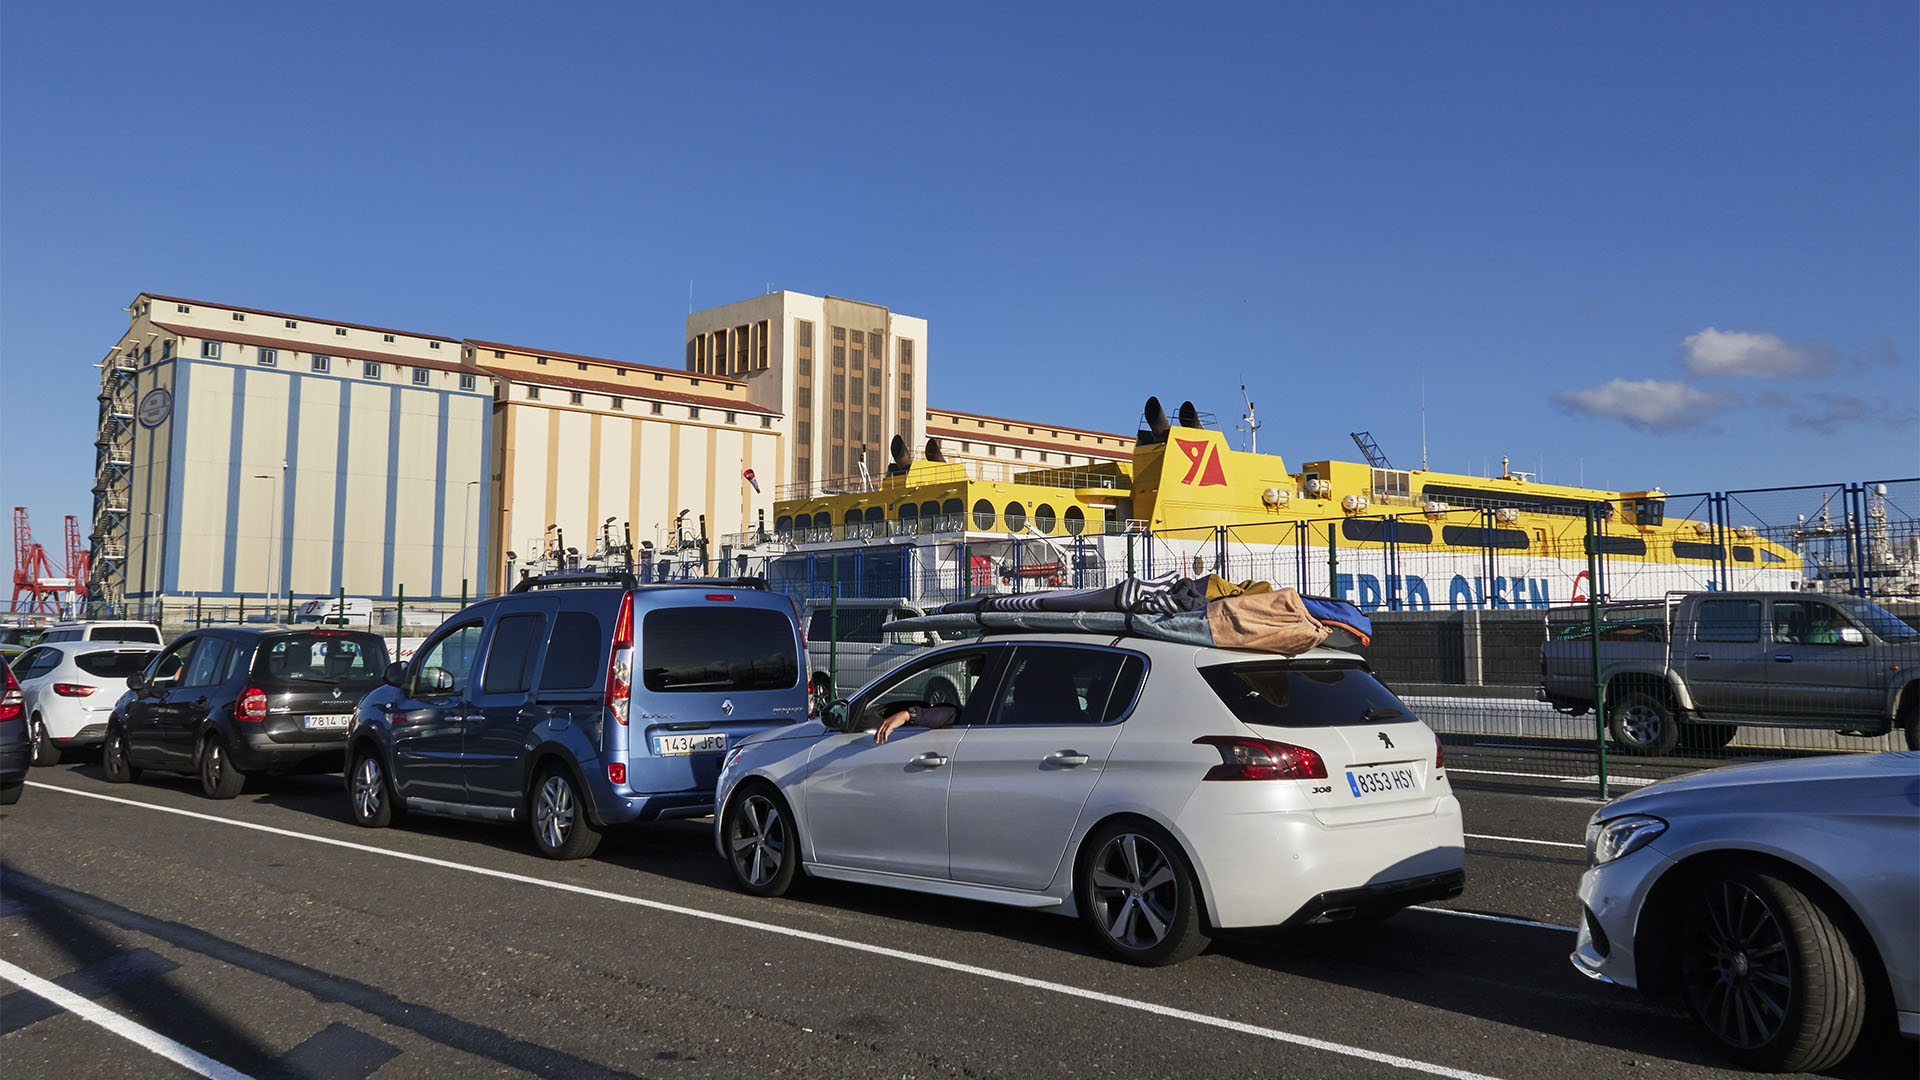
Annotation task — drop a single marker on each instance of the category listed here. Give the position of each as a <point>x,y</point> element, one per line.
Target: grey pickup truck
<point>1691,671</point>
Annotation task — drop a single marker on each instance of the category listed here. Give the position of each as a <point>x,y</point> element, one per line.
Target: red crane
<point>79,558</point>
<point>32,573</point>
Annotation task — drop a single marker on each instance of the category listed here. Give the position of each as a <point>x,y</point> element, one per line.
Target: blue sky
<point>1637,244</point>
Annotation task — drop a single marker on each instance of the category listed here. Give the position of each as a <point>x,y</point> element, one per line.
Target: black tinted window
<point>1729,620</point>
<point>329,657</point>
<point>577,654</point>
<point>854,624</point>
<point>1293,695</point>
<point>144,634</point>
<point>718,648</point>
<point>516,641</point>
<point>112,665</point>
<point>1066,686</point>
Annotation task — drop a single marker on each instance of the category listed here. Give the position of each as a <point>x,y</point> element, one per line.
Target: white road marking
<point>1631,781</point>
<point>1508,919</point>
<point>1525,840</point>
<point>1063,989</point>
<point>1635,781</point>
<point>148,1039</point>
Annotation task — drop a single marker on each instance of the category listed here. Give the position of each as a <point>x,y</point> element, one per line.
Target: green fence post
<point>1130,535</point>
<point>289,605</point>
<point>966,570</point>
<point>1593,632</point>
<point>160,615</point>
<point>833,625</point>
<point>198,608</point>
<point>400,623</point>
<point>243,607</point>
<point>1333,562</point>
<point>340,609</point>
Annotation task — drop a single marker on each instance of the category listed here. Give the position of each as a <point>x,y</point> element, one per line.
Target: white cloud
<point>1713,352</point>
<point>1649,405</point>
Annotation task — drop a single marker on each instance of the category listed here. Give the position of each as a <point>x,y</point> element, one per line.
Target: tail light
<point>1439,756</point>
<point>718,596</point>
<point>620,666</point>
<point>1261,759</point>
<point>616,772</point>
<point>67,689</point>
<point>11,698</point>
<point>252,706</point>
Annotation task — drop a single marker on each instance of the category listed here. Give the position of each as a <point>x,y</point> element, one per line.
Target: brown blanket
<point>1275,622</point>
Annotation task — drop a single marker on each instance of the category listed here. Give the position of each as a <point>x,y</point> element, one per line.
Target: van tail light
<point>252,705</point>
<point>620,666</point>
<point>67,689</point>
<point>616,772</point>
<point>1261,759</point>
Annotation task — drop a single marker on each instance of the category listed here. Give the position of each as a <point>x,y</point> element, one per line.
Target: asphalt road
<point>276,939</point>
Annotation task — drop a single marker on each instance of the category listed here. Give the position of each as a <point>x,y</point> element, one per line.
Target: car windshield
<point>1292,694</point>
<point>1885,624</point>
<point>326,657</point>
<point>113,663</point>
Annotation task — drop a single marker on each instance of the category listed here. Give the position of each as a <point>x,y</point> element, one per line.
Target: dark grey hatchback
<point>578,702</point>
<point>226,702</point>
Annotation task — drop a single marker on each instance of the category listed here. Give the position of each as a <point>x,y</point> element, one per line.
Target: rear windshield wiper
<point>1376,713</point>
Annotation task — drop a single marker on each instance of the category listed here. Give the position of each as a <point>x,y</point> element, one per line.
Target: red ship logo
<point>1206,464</point>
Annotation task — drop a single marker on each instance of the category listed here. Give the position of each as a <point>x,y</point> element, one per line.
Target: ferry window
<point>952,512</point>
<point>928,512</point>
<point>983,515</point>
<point>1043,518</point>
<point>1374,530</point>
<point>1693,549</point>
<point>1742,553</point>
<point>1769,557</point>
<point>852,522</point>
<point>1729,620</point>
<point>1392,482</point>
<point>1472,536</point>
<point>783,525</point>
<point>909,518</point>
<point>1016,517</point>
<point>1076,521</point>
<point>1622,545</point>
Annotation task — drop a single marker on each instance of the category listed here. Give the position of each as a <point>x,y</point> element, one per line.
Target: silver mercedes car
<point>1159,790</point>
<point>1780,900</point>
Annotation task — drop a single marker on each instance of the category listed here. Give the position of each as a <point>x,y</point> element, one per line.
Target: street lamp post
<point>466,538</point>
<point>273,535</point>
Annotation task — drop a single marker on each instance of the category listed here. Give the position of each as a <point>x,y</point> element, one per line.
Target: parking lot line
<point>1508,919</point>
<point>1525,840</point>
<point>1064,989</point>
<point>147,1038</point>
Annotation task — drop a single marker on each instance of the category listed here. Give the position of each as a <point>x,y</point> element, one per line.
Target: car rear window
<point>325,657</point>
<point>117,664</point>
<point>145,634</point>
<point>718,649</point>
<point>1279,694</point>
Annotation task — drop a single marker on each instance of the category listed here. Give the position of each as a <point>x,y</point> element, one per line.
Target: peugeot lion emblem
<point>726,707</point>
<point>1384,739</point>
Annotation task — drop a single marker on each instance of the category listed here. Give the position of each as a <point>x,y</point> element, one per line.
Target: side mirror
<point>1852,636</point>
<point>835,716</point>
<point>395,675</point>
<point>137,681</point>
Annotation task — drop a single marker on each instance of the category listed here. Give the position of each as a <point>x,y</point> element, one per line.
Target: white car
<point>1158,790</point>
<point>1778,899</point>
<point>69,689</point>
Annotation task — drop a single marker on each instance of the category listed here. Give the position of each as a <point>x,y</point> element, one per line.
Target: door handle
<point>1065,758</point>
<point>1782,658</point>
<point>200,703</point>
<point>1701,656</point>
<point>929,761</point>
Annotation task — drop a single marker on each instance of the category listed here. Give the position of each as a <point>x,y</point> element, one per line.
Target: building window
<point>618,405</point>
<point>210,349</point>
<point>322,363</point>
<point>340,331</point>
<point>498,355</point>
<point>370,370</point>
<point>146,356</point>
<point>466,382</point>
<point>237,317</point>
<point>386,337</point>
<point>732,418</point>
<point>654,408</point>
<point>541,360</point>
<point>420,376</point>
<point>433,344</point>
<point>761,333</point>
<point>533,393</point>
<point>576,398</point>
<point>620,371</point>
<point>265,357</point>
<point>182,308</point>
<point>803,431</point>
<point>166,349</point>
<point>693,412</point>
<point>293,324</point>
<point>766,421</point>
<point>582,367</point>
<point>657,377</point>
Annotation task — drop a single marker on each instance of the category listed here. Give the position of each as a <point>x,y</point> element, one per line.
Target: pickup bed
<point>1692,671</point>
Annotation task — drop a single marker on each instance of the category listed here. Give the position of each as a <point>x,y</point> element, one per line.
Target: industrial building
<point>251,453</point>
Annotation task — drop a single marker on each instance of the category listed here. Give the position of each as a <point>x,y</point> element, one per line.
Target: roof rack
<point>575,579</point>
<point>744,582</point>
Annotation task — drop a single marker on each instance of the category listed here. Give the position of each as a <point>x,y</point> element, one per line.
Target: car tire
<point>10,793</point>
<point>45,750</point>
<point>1708,736</point>
<point>218,778</point>
<point>1642,724</point>
<point>763,843</point>
<point>1136,893</point>
<point>558,814</point>
<point>370,792</point>
<point>1768,973</point>
<point>1910,718</point>
<point>114,760</point>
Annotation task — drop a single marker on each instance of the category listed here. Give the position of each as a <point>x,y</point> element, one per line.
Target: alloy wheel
<point>1643,723</point>
<point>212,764</point>
<point>1736,964</point>
<point>369,787</point>
<point>553,812</point>
<point>759,840</point>
<point>1136,891</point>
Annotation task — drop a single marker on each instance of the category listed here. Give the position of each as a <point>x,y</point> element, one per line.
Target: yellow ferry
<point>1400,539</point>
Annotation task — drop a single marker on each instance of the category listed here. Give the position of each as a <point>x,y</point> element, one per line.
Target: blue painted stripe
<point>340,478</point>
<point>483,562</point>
<point>393,487</point>
<point>176,489</point>
<point>234,478</point>
<point>440,498</point>
<point>289,481</point>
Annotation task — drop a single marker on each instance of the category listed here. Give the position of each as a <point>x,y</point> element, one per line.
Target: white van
<point>355,611</point>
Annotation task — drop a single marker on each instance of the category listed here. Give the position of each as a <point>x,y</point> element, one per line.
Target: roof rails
<point>758,583</point>
<point>578,578</point>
